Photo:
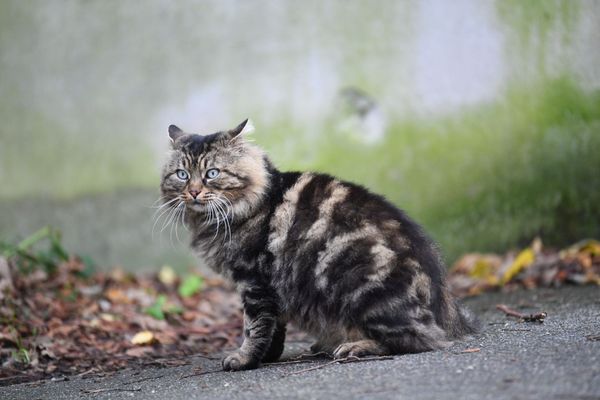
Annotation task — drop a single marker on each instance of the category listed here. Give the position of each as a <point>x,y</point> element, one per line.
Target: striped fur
<point>340,262</point>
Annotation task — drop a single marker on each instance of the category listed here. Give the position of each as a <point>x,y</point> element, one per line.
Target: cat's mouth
<point>196,205</point>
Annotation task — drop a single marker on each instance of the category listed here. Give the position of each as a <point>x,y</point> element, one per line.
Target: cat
<point>342,263</point>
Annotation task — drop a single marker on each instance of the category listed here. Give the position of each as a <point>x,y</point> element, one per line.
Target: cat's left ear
<point>175,133</point>
<point>242,129</point>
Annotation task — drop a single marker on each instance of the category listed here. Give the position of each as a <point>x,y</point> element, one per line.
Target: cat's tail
<point>469,322</point>
<point>460,320</point>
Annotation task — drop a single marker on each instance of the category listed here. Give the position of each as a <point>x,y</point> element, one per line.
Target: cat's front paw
<point>239,361</point>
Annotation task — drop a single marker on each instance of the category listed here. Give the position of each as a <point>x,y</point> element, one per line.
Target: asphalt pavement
<point>559,359</point>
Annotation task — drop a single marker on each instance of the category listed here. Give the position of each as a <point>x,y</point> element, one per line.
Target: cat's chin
<point>197,207</point>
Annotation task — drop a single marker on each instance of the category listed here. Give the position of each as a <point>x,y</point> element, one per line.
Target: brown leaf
<point>143,338</point>
<point>116,295</point>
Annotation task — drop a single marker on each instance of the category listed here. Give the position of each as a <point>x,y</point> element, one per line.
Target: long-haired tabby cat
<point>342,263</point>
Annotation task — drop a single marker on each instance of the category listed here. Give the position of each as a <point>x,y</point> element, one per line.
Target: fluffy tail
<point>467,321</point>
<point>459,321</point>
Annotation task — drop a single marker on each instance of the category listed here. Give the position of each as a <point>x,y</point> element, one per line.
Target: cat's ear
<point>242,129</point>
<point>175,133</point>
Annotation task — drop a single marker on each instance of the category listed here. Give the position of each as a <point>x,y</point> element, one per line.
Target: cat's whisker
<point>176,222</point>
<point>183,218</point>
<point>222,204</point>
<point>228,230</point>
<point>180,208</point>
<point>216,214</point>
<point>156,202</point>
<point>212,215</point>
<point>166,213</point>
<point>227,227</point>
<point>159,200</point>
<point>226,198</point>
<point>172,222</point>
<point>208,218</point>
<point>167,205</point>
<point>222,217</point>
<point>221,207</point>
<point>181,214</point>
<point>158,207</point>
<point>227,203</point>
<point>159,220</point>
<point>169,218</point>
<point>227,212</point>
<point>171,229</point>
<point>162,213</point>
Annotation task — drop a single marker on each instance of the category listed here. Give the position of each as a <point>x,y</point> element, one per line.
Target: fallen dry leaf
<point>116,295</point>
<point>65,331</point>
<point>532,267</point>
<point>167,275</point>
<point>143,338</point>
<point>523,260</point>
<point>70,324</point>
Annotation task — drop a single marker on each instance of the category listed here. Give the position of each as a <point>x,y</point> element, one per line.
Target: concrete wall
<point>87,89</point>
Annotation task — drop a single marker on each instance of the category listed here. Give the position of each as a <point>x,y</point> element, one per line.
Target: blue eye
<point>181,174</point>
<point>212,173</point>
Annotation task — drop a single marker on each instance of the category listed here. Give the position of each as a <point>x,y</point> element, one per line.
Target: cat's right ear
<point>175,133</point>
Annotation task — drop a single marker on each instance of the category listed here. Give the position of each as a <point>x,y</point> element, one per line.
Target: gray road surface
<point>559,359</point>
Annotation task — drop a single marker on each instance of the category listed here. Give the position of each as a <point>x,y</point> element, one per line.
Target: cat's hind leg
<point>394,326</point>
<point>394,336</point>
<point>327,342</point>
<point>406,331</point>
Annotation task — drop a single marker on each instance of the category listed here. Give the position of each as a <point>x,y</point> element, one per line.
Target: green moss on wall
<point>487,178</point>
<point>539,30</point>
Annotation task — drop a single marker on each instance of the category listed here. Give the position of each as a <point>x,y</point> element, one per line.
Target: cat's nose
<point>194,193</point>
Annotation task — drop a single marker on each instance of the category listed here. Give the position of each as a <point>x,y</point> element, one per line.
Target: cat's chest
<point>242,247</point>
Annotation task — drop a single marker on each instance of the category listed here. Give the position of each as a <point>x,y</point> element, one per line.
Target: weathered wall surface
<point>478,117</point>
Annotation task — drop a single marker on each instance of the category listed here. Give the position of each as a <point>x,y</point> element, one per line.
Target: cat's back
<point>324,227</point>
<point>313,207</point>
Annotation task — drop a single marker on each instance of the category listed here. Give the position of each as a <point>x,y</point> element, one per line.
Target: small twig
<point>593,338</point>
<point>313,368</point>
<point>302,358</point>
<point>89,371</point>
<point>143,379</point>
<point>538,317</point>
<point>305,356</point>
<point>349,359</point>
<point>509,311</point>
<point>473,350</point>
<point>200,373</point>
<point>6,378</point>
<point>94,391</point>
<point>207,357</point>
<point>516,330</point>
<point>165,362</point>
<point>465,351</point>
<point>274,364</point>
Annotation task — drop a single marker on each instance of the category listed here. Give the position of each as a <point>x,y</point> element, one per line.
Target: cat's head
<point>217,174</point>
